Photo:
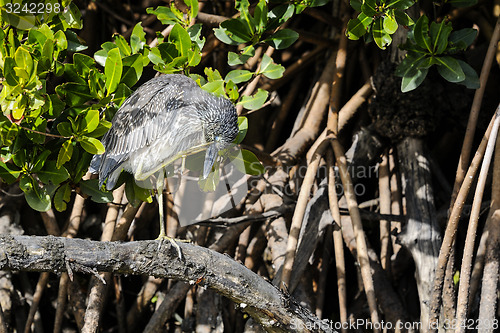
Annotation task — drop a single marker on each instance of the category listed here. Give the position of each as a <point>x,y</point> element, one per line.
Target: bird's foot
<point>172,241</point>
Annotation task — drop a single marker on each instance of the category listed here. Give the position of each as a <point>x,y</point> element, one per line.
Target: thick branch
<point>275,311</point>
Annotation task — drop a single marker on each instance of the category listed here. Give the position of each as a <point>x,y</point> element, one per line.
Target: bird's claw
<point>174,244</point>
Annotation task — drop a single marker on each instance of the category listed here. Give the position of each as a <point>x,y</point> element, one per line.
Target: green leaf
<point>39,124</point>
<point>47,54</point>
<point>61,41</point>
<point>138,38</point>
<point>180,37</point>
<point>103,127</point>
<point>64,153</point>
<point>36,196</point>
<point>90,121</point>
<point>71,74</point>
<point>75,43</point>
<point>65,129</point>
<point>132,69</point>
<point>369,8</point>
<point>91,188</point>
<point>357,27</point>
<point>356,4</point>
<point>269,69</point>
<point>135,194</point>
<point>256,101</point>
<point>215,87</point>
<point>402,18</point>
<point>196,36</point>
<point>463,38</point>
<point>74,94</point>
<point>236,30</point>
<point>279,15</point>
<point>450,69</point>
<point>7,173</point>
<point>40,161</point>
<point>471,79</point>
<point>91,145</point>
<point>164,14</point>
<point>83,64</point>
<point>232,91</point>
<point>222,34</point>
<point>10,74</point>
<point>22,22</point>
<point>96,84</point>
<point>62,197</point>
<point>421,33</point>
<point>210,183</point>
<point>193,7</point>
<point>380,36</point>
<point>390,25</point>
<point>400,4</point>
<point>72,16</point>
<point>238,76</point>
<point>194,57</point>
<point>113,70</point>
<point>50,173</point>
<point>260,16</point>
<point>234,59</point>
<point>122,44</point>
<point>282,39</point>
<point>122,92</point>
<point>23,59</point>
<point>439,36</point>
<point>242,129</point>
<point>246,162</point>
<point>408,65</point>
<point>411,82</point>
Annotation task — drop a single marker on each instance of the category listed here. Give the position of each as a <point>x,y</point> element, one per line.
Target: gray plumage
<point>162,120</point>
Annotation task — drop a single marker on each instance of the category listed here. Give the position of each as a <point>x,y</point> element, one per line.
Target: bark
<point>420,235</point>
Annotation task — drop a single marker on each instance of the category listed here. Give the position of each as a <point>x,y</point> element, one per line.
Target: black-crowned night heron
<point>165,119</point>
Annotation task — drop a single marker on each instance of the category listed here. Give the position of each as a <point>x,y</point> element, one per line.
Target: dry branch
<point>275,311</point>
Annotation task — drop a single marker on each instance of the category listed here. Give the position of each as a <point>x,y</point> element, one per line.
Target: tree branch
<point>275,311</point>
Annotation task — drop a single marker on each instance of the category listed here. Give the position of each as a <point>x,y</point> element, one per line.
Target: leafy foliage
<point>427,44</point>
<point>54,111</point>
<point>434,44</point>
<point>378,20</point>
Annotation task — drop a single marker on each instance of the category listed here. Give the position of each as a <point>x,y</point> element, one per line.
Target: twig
<point>338,243</point>
<point>98,286</point>
<point>359,234</point>
<point>3,324</point>
<point>385,208</point>
<point>37,296</point>
<point>463,291</point>
<point>298,215</point>
<point>474,112</point>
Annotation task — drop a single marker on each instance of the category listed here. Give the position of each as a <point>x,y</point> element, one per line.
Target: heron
<point>165,119</point>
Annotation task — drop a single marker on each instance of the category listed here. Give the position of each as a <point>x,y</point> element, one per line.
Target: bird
<point>165,119</point>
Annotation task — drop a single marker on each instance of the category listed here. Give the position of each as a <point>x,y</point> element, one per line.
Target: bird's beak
<point>210,156</point>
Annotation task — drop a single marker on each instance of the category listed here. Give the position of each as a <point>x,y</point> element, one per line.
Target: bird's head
<point>220,125</point>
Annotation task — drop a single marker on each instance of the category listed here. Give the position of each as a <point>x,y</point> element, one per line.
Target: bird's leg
<point>163,234</point>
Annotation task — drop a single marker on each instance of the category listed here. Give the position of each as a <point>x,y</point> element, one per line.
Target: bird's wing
<point>143,118</point>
